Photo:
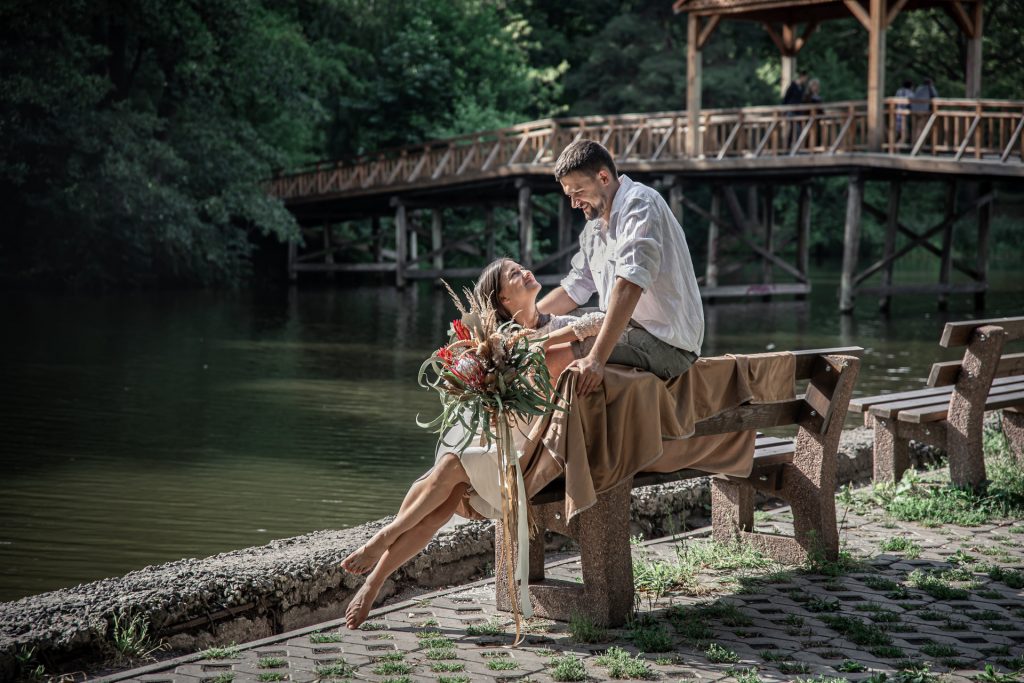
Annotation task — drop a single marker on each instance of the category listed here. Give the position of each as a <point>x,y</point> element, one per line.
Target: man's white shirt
<point>644,244</point>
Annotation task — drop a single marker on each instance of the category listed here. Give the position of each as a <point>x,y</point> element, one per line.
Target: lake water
<point>142,428</point>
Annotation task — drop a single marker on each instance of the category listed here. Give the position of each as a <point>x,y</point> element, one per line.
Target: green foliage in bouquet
<point>485,371</point>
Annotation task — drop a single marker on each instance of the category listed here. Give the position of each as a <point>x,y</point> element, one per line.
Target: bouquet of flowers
<point>491,377</point>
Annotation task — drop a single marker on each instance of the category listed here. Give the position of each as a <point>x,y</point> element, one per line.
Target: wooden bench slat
<point>922,415</point>
<point>960,333</point>
<point>862,404</point>
<point>943,374</point>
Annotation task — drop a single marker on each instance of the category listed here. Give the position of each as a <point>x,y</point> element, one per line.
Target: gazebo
<point>791,23</point>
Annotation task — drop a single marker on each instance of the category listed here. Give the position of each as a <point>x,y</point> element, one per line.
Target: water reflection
<point>142,428</point>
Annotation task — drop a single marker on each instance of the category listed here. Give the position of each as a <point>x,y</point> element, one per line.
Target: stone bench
<point>802,472</point>
<point>950,412</point>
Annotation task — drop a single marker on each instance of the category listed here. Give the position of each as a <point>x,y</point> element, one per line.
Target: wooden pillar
<point>378,239</point>
<point>984,221</point>
<point>489,229</point>
<point>851,241</point>
<point>414,241</point>
<point>293,255</point>
<point>693,85</point>
<point>675,199</point>
<point>891,227</point>
<point>436,237</point>
<point>525,225</point>
<point>946,260</point>
<point>973,75</point>
<point>564,229</point>
<point>328,252</point>
<point>876,74</point>
<point>803,239</point>
<point>788,57</point>
<point>711,270</point>
<point>769,234</point>
<point>401,241</point>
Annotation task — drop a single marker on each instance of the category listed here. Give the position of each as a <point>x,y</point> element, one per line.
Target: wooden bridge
<point>954,139</point>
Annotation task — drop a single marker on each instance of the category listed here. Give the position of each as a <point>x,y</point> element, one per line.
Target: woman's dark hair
<point>488,288</point>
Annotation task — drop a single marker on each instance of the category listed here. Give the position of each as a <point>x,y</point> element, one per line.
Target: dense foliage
<point>134,135</point>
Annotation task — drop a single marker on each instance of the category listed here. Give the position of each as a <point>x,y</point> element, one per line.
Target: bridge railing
<point>946,128</point>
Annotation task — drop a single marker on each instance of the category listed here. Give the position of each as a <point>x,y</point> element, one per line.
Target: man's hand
<point>591,374</point>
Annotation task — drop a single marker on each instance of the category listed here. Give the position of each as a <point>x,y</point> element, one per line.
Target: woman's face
<point>518,288</point>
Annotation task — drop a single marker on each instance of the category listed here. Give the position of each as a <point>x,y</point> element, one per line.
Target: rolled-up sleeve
<point>579,283</point>
<point>638,254</point>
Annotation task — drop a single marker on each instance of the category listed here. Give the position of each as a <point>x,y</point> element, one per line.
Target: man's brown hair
<point>585,156</point>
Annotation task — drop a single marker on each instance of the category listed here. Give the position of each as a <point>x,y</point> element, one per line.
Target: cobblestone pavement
<point>939,604</point>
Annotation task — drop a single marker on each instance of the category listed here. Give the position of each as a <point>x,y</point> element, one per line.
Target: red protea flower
<point>461,331</point>
<point>445,354</point>
<point>470,370</point>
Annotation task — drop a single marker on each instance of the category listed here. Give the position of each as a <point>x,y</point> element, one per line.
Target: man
<point>633,254</point>
<point>795,91</point>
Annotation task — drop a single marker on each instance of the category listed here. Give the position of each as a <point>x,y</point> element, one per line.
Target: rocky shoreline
<point>257,592</point>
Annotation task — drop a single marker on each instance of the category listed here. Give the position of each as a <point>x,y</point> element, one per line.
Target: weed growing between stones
<point>1011,577</point>
<point>582,629</point>
<point>504,664</point>
<point>317,637</point>
<point>271,662</point>
<point>221,678</point>
<point>491,628</point>
<point>447,667</point>
<point>794,667</point>
<point>229,652</point>
<point>936,584</point>
<point>717,654</point>
<point>338,669</point>
<point>621,665</point>
<point>649,637</point>
<point>453,679</point>
<point>745,675</point>
<point>909,548</point>
<point>850,666</point>
<point>392,667</point>
<point>269,676</point>
<point>130,637</point>
<point>568,668</point>
<point>373,626</point>
<point>857,631</point>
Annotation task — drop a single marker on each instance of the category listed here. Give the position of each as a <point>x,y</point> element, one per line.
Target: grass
<point>229,652</point>
<point>937,584</point>
<point>436,643</point>
<point>504,664</point>
<point>857,631</point>
<point>447,667</point>
<point>436,653</point>
<point>822,605</point>
<point>568,668</point>
<point>939,650</point>
<point>992,675</point>
<point>621,665</point>
<point>339,669</point>
<point>650,637</point>
<point>271,662</point>
<point>391,667</point>
<point>794,667</point>
<point>268,676</point>
<point>718,654</point>
<point>317,637</point>
<point>221,678</point>
<point>850,666</point>
<point>582,629</point>
<point>745,675</point>
<point>453,679</point>
<point>130,636</point>
<point>491,628</point>
<point>657,577</point>
<point>1011,577</point>
<point>373,626</point>
<point>901,544</point>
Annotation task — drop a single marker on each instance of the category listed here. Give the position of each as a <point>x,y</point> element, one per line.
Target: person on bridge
<point>633,255</point>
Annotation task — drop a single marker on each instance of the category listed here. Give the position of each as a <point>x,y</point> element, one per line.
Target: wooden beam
<point>774,35</point>
<point>525,225</point>
<point>851,241</point>
<point>876,75</point>
<point>803,247</point>
<point>401,246</point>
<point>436,238</point>
<point>708,30</point>
<point>960,16</point>
<point>974,54</point>
<point>891,229</point>
<point>693,86</point>
<point>858,11</point>
<point>984,222</point>
<point>711,270</point>
<point>806,35</point>
<point>894,10</point>
<point>946,260</point>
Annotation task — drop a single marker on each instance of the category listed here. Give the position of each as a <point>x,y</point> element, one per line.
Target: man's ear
<point>604,176</point>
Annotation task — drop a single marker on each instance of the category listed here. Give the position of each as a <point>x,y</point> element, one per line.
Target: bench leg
<point>891,452</point>
<point>732,509</point>
<point>602,533</point>
<point>1013,428</point>
<point>967,407</point>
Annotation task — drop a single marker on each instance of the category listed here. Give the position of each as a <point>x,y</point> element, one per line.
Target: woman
<point>433,498</point>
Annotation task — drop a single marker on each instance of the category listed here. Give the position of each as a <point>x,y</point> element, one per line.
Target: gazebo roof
<point>797,11</point>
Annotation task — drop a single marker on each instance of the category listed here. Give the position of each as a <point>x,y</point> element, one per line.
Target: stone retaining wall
<point>290,583</point>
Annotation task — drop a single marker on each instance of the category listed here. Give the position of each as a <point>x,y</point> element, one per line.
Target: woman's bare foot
<point>364,558</point>
<point>360,606</point>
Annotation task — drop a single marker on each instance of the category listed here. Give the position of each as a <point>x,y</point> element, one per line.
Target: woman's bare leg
<point>398,553</point>
<point>558,357</point>
<point>424,496</point>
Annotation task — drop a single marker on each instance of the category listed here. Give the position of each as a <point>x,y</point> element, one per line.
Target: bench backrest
<point>962,334</point>
<point>814,408</point>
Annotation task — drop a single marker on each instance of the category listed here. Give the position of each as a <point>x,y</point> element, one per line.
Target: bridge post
<point>564,230</point>
<point>436,238</point>
<point>984,220</point>
<point>767,271</point>
<point>693,85</point>
<point>876,73</point>
<point>293,249</point>
<point>803,235</point>
<point>378,239</point>
<point>891,227</point>
<point>851,241</point>
<point>946,263</point>
<point>711,269</point>
<point>329,251</point>
<point>973,75</point>
<point>401,234</point>
<point>525,223</point>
